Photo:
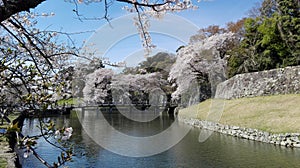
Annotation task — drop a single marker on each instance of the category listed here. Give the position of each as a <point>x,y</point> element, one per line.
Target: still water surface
<point>217,151</point>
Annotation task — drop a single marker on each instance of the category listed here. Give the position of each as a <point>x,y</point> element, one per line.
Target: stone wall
<point>276,81</point>
<point>288,139</point>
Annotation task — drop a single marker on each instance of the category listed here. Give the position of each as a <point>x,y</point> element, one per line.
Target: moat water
<point>217,151</point>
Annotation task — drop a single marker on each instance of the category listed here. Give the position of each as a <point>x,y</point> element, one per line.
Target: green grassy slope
<point>276,114</point>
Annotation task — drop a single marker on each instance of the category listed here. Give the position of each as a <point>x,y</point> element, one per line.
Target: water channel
<point>217,151</point>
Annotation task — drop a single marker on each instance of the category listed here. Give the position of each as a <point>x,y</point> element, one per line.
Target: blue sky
<point>210,12</point>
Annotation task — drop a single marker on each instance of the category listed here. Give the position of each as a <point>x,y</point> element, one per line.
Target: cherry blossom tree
<point>82,68</point>
<point>30,62</point>
<point>97,86</point>
<point>102,86</point>
<point>200,67</point>
<point>137,88</point>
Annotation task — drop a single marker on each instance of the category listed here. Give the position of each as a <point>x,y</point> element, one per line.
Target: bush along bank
<point>8,156</point>
<point>286,139</point>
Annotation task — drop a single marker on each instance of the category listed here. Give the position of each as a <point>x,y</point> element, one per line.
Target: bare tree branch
<point>142,26</point>
<point>145,4</point>
<point>11,7</point>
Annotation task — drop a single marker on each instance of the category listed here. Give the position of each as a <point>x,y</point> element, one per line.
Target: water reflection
<point>124,124</point>
<point>218,151</point>
<point>145,139</point>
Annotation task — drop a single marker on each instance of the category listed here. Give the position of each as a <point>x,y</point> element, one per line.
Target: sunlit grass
<point>3,163</point>
<point>68,102</point>
<point>277,114</point>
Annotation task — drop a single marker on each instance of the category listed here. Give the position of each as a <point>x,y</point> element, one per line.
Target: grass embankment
<point>275,114</point>
<point>66,102</point>
<point>69,102</point>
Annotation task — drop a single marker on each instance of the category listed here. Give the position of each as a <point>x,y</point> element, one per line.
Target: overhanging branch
<point>153,6</point>
<point>11,7</point>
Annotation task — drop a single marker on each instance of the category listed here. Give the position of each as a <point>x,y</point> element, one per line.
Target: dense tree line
<point>271,38</point>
